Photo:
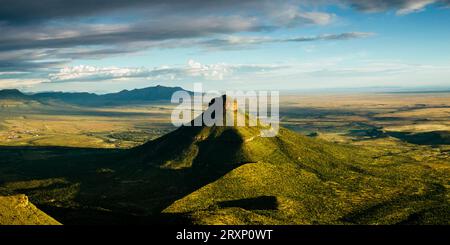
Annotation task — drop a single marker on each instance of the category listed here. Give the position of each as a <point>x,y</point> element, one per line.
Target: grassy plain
<point>30,123</point>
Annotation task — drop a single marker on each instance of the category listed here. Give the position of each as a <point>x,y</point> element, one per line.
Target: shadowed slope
<point>197,147</point>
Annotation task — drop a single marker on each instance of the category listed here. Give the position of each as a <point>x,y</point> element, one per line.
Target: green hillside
<point>17,210</point>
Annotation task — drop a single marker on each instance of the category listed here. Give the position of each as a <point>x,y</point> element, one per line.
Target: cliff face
<point>17,210</point>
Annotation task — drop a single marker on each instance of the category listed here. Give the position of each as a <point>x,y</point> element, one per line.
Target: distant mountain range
<point>124,97</point>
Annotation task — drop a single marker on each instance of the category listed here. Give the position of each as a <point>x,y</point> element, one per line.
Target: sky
<point>109,45</point>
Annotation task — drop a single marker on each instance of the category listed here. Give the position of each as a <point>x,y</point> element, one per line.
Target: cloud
<point>193,69</point>
<point>24,65</point>
<point>327,37</point>
<point>110,27</point>
<point>36,46</point>
<point>214,71</point>
<point>92,73</point>
<point>49,34</point>
<point>288,13</point>
<point>372,69</point>
<point>86,73</point>
<point>329,72</point>
<point>231,42</point>
<point>51,52</point>
<point>19,12</point>
<point>22,11</point>
<point>19,83</point>
<point>319,18</point>
<point>88,35</point>
<point>401,7</point>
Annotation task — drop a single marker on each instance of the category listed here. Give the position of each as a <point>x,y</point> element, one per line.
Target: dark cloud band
<point>47,33</point>
<point>22,11</point>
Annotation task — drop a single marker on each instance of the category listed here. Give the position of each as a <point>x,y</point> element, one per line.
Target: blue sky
<point>286,45</point>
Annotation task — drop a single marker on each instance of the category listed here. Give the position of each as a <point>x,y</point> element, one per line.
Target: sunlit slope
<point>17,210</point>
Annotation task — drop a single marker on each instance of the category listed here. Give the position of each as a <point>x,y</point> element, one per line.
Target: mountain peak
<point>204,144</point>
<point>224,111</point>
<point>11,94</point>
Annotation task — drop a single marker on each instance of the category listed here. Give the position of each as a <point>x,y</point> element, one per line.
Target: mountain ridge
<point>12,94</point>
<point>124,97</point>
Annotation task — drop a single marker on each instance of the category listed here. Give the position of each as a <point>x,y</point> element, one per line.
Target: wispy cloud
<point>232,42</point>
<point>323,72</point>
<point>401,7</point>
<point>88,35</point>
<point>58,51</point>
<point>20,83</point>
<point>22,11</point>
<point>194,69</point>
